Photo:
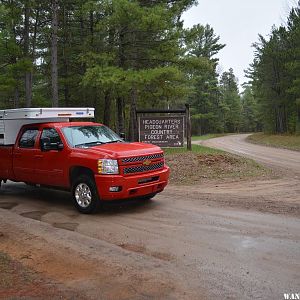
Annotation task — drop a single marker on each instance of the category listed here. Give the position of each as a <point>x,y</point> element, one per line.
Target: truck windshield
<point>89,136</point>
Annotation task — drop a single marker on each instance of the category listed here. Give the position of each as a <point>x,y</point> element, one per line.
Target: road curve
<point>275,157</point>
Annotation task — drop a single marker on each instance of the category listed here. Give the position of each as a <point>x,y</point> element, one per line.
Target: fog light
<point>115,188</point>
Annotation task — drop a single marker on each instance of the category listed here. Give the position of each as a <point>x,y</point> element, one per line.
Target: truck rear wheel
<point>85,195</point>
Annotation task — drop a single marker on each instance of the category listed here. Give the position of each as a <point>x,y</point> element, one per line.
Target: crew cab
<point>87,158</point>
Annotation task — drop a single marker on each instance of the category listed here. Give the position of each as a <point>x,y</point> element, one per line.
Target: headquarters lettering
<point>161,128</point>
<point>164,131</point>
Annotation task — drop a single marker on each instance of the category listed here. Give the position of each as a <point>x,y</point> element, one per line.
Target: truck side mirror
<point>122,135</point>
<point>45,144</point>
<point>60,146</point>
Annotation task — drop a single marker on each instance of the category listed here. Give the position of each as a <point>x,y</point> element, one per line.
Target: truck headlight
<point>108,166</point>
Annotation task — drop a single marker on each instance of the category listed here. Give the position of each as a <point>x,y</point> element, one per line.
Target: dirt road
<point>237,240</point>
<point>274,157</point>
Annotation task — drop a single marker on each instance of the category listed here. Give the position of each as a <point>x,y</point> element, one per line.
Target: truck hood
<point>121,150</point>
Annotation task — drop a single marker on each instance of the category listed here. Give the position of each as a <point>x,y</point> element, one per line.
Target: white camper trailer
<point>11,120</point>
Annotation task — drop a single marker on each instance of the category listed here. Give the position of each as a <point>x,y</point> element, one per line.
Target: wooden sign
<point>163,131</point>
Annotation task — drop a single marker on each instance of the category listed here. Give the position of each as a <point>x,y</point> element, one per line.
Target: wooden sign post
<point>168,129</point>
<point>188,127</point>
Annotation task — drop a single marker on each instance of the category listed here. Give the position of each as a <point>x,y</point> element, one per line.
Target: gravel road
<point>238,240</point>
<point>274,157</point>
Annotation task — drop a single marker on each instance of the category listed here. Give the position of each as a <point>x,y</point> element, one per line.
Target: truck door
<point>24,156</point>
<point>51,163</point>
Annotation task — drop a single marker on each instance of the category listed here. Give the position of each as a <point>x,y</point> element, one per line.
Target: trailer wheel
<point>85,195</point>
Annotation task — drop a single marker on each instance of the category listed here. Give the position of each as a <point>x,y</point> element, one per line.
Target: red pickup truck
<point>88,159</point>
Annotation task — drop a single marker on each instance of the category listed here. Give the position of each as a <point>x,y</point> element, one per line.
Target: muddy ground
<point>233,240</point>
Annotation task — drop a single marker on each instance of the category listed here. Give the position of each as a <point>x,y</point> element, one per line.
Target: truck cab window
<point>28,138</point>
<point>51,136</point>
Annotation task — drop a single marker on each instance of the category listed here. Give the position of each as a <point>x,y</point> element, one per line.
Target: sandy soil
<point>237,240</point>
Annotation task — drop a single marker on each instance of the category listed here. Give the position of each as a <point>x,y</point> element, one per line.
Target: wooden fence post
<point>188,128</point>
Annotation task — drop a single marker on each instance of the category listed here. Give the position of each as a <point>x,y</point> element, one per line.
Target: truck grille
<point>140,169</point>
<point>142,158</point>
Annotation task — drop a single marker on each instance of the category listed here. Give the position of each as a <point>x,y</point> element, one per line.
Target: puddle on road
<point>8,205</point>
<point>248,243</point>
<point>67,226</point>
<point>36,215</point>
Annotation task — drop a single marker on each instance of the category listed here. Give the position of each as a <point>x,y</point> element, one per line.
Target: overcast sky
<point>238,23</point>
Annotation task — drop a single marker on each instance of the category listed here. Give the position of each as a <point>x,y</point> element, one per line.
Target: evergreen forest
<point>121,55</point>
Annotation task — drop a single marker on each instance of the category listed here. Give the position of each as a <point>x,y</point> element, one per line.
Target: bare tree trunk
<point>28,74</point>
<point>280,126</point>
<point>107,115</point>
<point>66,90</point>
<point>133,127</point>
<point>200,127</point>
<point>16,98</point>
<point>54,67</point>
<point>298,119</point>
<point>120,115</point>
<point>92,28</point>
<point>28,88</point>
<point>31,56</point>
<point>64,57</point>
<point>285,118</point>
<point>120,100</point>
<point>107,109</point>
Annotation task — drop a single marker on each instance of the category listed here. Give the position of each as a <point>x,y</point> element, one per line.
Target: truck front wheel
<point>147,197</point>
<point>85,195</point>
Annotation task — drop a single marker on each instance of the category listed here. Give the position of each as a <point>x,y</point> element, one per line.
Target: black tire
<point>31,184</point>
<point>85,195</point>
<point>148,197</point>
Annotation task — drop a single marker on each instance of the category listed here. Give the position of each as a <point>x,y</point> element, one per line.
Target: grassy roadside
<point>207,136</point>
<point>195,149</point>
<point>291,142</point>
<point>204,164</point>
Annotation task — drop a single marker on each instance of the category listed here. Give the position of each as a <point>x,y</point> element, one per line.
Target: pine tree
<point>250,121</point>
<point>230,101</point>
<point>202,45</point>
<point>275,76</point>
